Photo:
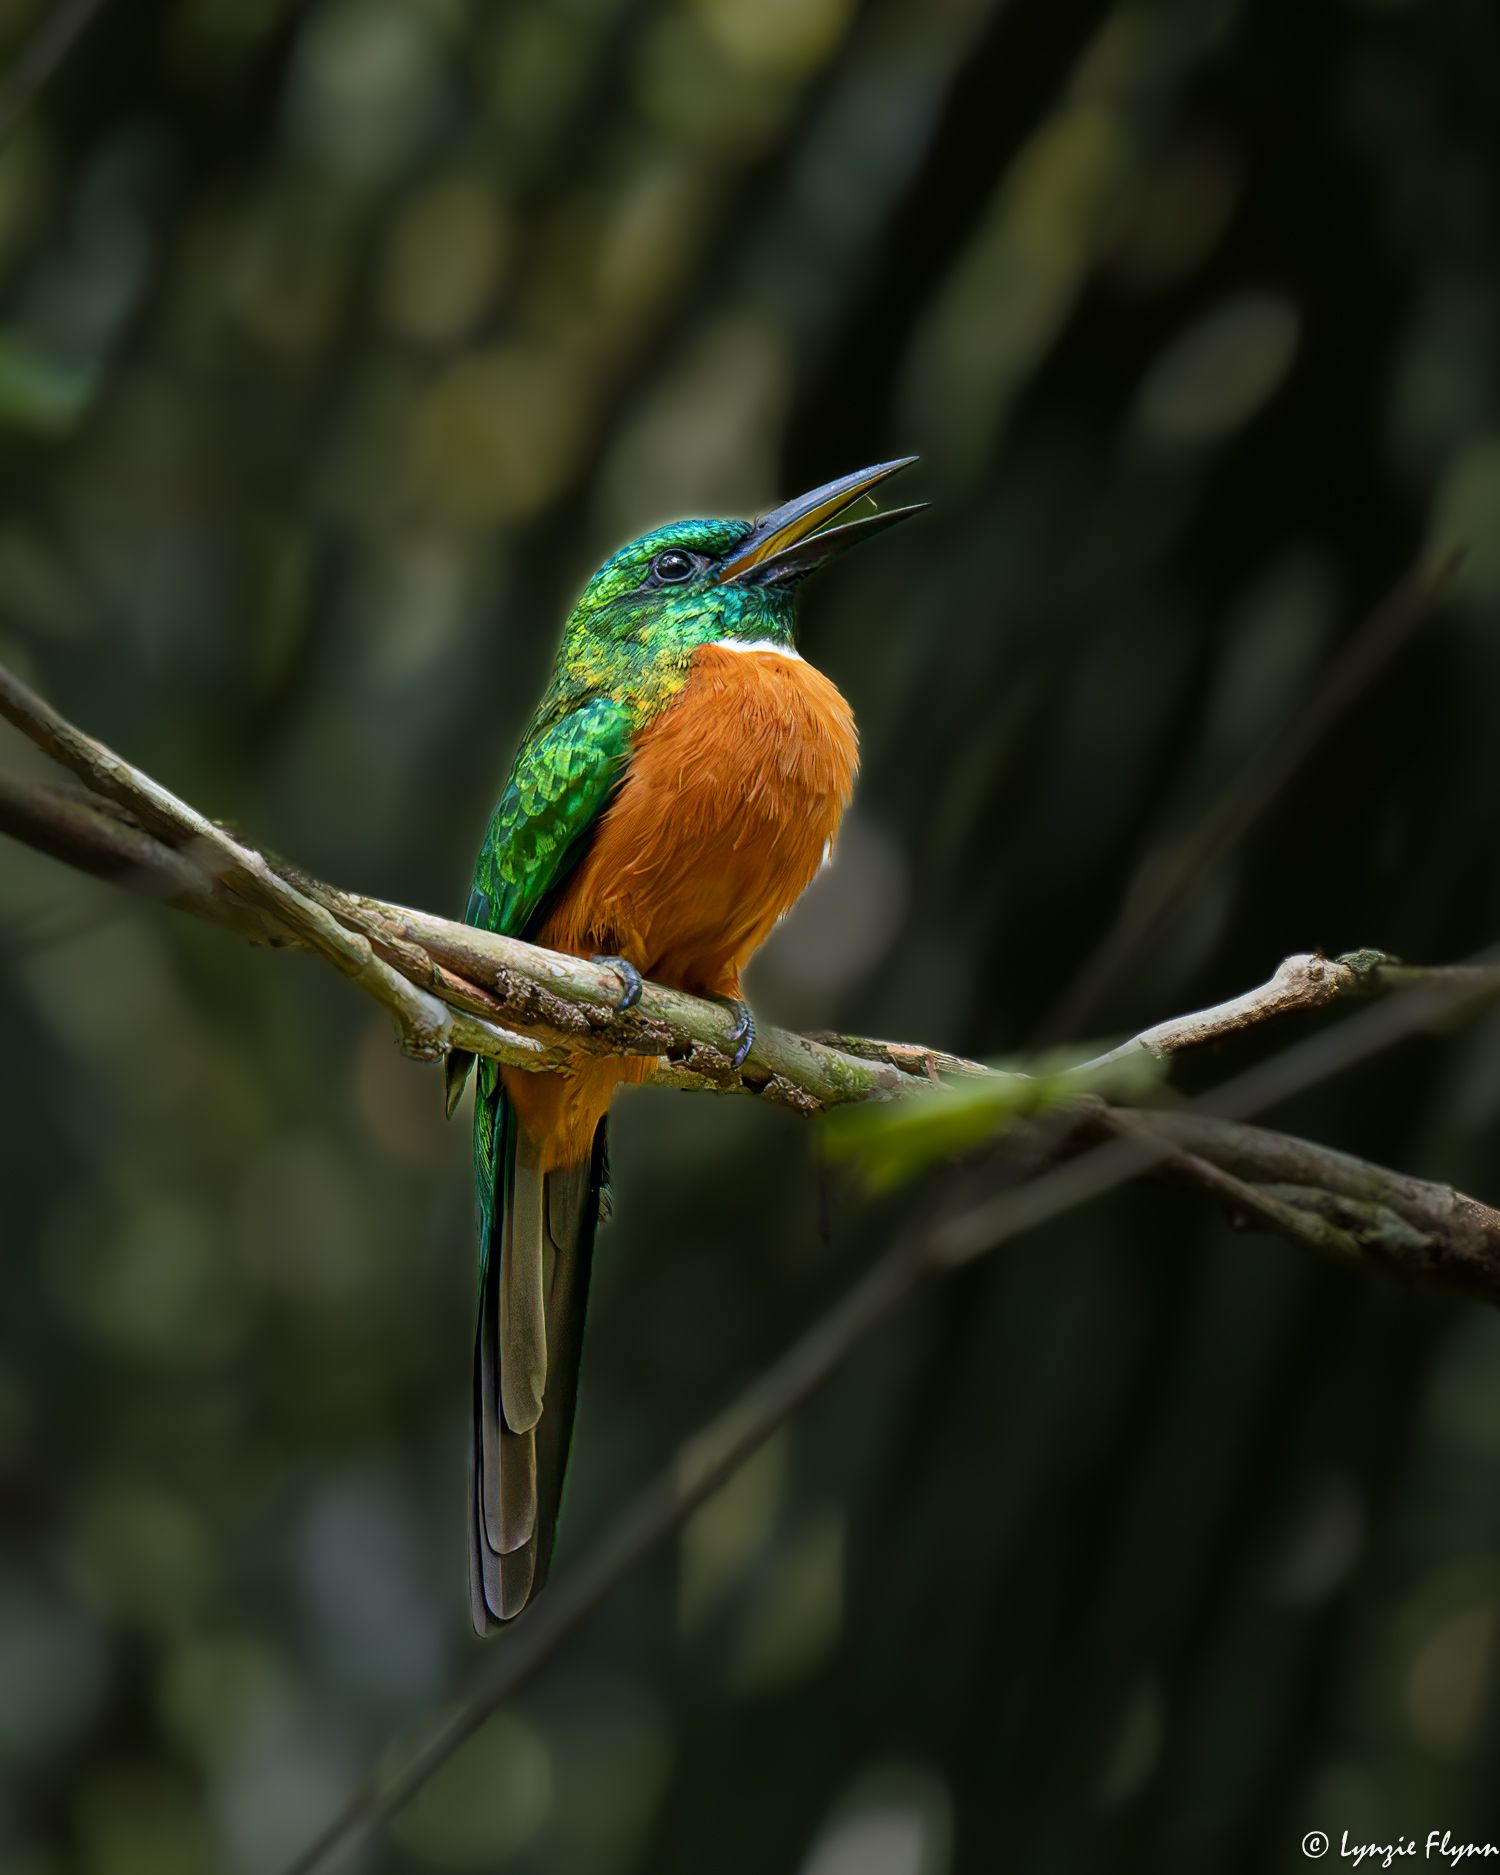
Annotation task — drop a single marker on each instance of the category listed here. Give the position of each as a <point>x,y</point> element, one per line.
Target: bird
<point>678,787</point>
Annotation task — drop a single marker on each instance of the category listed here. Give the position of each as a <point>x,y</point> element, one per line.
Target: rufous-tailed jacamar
<point>678,787</point>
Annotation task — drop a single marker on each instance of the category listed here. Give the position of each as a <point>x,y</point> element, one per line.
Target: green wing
<point>561,780</point>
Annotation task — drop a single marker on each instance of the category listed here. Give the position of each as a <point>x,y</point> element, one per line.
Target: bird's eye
<point>673,566</point>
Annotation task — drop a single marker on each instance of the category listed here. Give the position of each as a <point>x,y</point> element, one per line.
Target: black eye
<point>674,566</point>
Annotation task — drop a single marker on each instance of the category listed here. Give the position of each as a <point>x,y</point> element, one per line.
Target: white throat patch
<point>757,644</point>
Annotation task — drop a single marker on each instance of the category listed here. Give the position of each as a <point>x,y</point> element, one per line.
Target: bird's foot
<point>632,983</point>
<point>742,1035</point>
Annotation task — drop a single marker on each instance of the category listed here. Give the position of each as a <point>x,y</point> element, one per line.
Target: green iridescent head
<point>692,582</point>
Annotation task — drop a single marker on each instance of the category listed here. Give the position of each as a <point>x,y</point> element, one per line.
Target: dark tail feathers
<point>537,1256</point>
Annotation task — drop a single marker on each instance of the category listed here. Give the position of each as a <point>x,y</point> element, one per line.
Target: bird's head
<point>692,582</point>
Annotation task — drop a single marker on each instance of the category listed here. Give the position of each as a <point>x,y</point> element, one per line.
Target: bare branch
<point>106,841</point>
<point>1302,982</point>
<point>1401,1225</point>
<point>452,986</point>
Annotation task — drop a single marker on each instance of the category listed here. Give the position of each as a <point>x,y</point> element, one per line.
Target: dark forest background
<point>338,343</point>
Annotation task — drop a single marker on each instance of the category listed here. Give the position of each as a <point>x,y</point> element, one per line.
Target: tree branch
<point>1332,1200</point>
<point>1300,983</point>
<point>449,986</point>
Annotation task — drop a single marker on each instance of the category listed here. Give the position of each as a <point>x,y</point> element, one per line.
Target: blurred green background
<point>338,343</point>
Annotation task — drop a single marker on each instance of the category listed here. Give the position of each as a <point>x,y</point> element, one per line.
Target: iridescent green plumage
<point>626,653</point>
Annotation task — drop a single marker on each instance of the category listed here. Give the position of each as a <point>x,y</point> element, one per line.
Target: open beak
<point>794,539</point>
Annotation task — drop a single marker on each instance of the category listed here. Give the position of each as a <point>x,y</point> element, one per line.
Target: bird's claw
<point>630,978</point>
<point>742,1035</point>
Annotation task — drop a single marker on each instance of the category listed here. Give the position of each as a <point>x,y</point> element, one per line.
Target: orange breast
<point>730,802</point>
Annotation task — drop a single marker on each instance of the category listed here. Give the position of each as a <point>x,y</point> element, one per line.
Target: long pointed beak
<point>793,539</point>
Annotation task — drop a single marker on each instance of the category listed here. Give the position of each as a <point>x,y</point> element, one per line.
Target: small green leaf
<point>891,1142</point>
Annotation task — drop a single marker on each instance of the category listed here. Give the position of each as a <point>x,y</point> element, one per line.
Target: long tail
<point>536,1250</point>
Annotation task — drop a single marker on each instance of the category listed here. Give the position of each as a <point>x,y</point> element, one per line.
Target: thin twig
<point>1437,1234</point>
<point>1244,1200</point>
<point>102,839</point>
<point>1303,982</point>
